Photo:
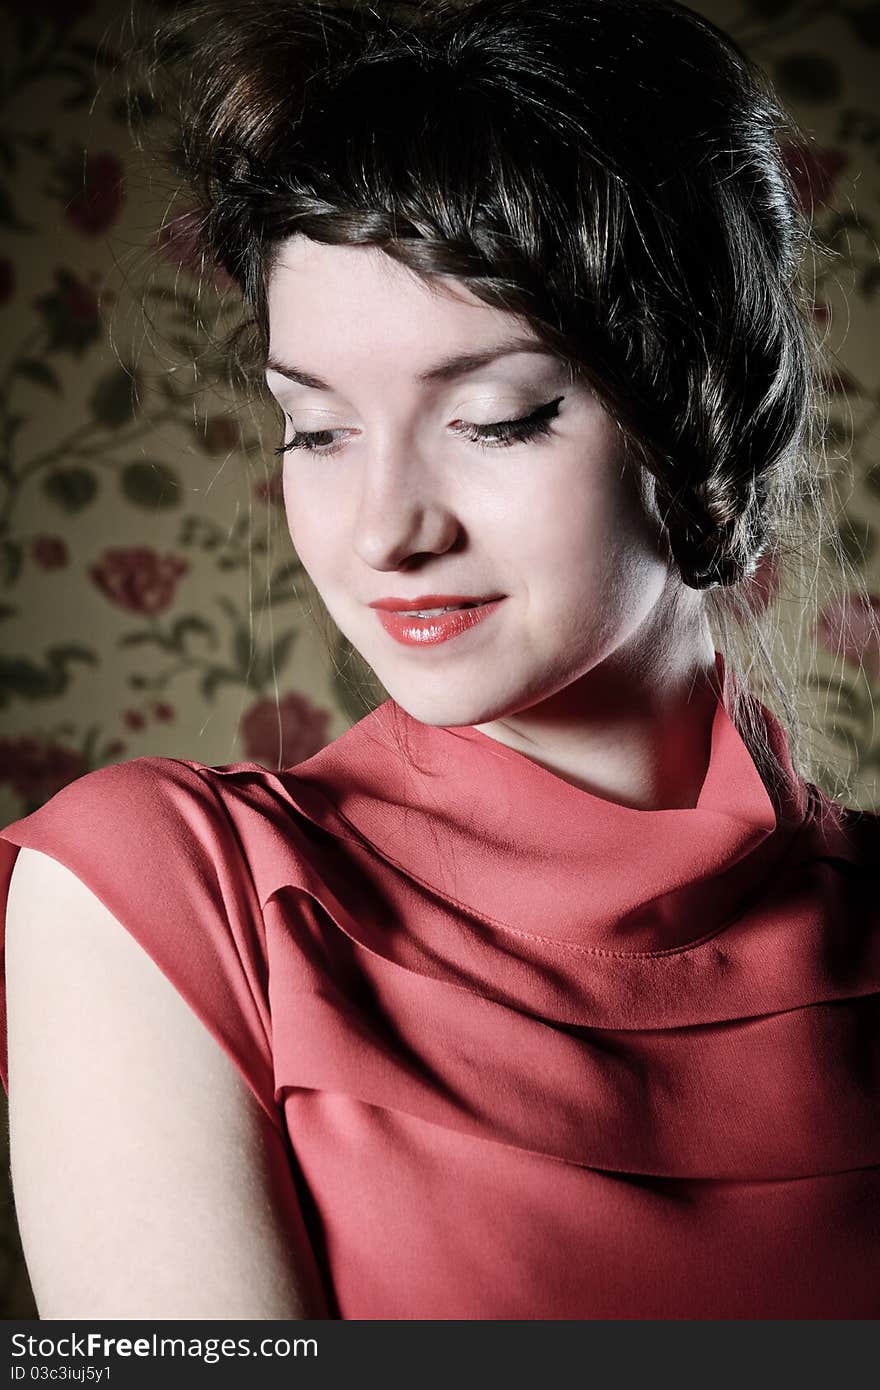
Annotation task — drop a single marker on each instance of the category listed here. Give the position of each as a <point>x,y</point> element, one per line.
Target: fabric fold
<point>537,1055</point>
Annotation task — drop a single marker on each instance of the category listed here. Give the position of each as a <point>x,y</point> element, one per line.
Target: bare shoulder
<point>149,1182</point>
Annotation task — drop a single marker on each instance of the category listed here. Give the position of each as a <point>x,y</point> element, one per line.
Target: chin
<point>435,699</point>
<point>442,707</point>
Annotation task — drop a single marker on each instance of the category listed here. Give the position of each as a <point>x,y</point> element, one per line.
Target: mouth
<point>435,612</point>
<point>430,624</point>
<point>430,605</point>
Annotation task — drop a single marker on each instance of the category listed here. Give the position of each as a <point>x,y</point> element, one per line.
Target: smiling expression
<point>437,448</point>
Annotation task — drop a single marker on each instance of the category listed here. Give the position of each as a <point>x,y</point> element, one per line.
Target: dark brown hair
<point>610,171</point>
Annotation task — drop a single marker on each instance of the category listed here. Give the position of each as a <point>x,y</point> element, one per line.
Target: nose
<point>401,512</point>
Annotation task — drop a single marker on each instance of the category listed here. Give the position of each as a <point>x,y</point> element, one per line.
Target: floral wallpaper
<point>150,601</point>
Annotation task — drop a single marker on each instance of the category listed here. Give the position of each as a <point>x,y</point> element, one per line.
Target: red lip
<point>413,631</point>
<point>398,605</point>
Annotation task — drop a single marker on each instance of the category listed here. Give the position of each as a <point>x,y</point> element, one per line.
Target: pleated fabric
<point>537,1055</point>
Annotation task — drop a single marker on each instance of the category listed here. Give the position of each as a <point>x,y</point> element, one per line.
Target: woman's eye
<point>500,433</point>
<point>313,441</point>
<point>506,432</point>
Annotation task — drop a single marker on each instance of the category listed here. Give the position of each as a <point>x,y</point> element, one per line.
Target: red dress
<point>538,1055</point>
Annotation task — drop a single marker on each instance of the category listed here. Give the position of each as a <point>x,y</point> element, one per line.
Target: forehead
<point>359,297</point>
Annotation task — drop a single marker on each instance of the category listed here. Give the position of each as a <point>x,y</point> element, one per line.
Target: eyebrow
<point>446,370</point>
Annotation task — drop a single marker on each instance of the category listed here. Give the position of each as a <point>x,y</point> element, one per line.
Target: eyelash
<point>500,434</point>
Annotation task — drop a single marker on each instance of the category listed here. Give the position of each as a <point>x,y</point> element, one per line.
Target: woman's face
<point>396,497</point>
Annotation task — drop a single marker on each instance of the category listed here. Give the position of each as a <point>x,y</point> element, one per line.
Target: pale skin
<point>597,664</point>
<point>148,1181</point>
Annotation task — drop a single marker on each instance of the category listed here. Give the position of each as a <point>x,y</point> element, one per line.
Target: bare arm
<point>148,1180</point>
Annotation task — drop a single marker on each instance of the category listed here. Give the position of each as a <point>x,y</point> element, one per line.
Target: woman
<point>549,989</point>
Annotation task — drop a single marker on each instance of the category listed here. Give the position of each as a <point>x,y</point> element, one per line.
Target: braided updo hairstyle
<point>610,170</point>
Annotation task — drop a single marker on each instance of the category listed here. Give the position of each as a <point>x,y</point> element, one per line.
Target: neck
<point>631,730</point>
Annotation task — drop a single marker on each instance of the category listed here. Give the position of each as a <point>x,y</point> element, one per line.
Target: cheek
<point>309,521</point>
<point>584,537</point>
<point>570,520</point>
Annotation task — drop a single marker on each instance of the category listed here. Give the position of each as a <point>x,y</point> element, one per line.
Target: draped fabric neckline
<point>457,936</point>
<point>495,833</point>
